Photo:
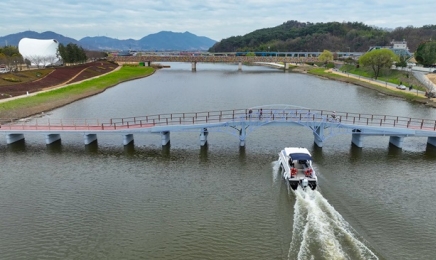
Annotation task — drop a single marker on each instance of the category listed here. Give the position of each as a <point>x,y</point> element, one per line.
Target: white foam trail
<point>276,174</point>
<point>319,231</point>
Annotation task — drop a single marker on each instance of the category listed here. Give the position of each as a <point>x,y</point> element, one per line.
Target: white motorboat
<point>296,167</point>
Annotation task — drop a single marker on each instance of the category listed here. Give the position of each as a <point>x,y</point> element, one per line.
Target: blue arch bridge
<point>237,122</point>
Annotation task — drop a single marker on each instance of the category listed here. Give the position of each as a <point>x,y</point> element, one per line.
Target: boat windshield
<point>300,156</point>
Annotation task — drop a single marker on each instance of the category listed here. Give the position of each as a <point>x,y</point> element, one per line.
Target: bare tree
<point>49,60</point>
<point>36,60</point>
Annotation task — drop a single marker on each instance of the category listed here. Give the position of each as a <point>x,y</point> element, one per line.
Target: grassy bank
<point>396,77</point>
<point>45,101</point>
<point>411,96</point>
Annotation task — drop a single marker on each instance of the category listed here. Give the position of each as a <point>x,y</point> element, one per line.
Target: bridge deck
<point>211,118</point>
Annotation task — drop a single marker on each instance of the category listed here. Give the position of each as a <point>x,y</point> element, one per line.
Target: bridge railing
<point>258,114</point>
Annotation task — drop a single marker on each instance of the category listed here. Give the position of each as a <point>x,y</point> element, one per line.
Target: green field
<point>57,97</point>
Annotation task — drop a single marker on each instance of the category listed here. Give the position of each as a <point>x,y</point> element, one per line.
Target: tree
<point>426,53</point>
<point>378,59</point>
<point>402,63</point>
<point>326,56</point>
<point>72,53</point>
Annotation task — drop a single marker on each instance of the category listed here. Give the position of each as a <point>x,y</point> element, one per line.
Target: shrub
<point>11,79</point>
<point>330,65</point>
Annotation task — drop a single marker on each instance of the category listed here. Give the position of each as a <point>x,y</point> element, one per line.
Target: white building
<point>39,52</point>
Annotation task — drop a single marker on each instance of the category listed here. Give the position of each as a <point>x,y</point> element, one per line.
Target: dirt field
<point>432,77</point>
<point>19,83</point>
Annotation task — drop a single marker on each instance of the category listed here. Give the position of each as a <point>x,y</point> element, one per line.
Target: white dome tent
<point>39,52</point>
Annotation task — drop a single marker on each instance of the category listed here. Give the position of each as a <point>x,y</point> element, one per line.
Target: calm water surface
<point>106,201</point>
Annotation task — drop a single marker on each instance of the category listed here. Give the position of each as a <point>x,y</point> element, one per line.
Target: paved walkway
<point>388,85</point>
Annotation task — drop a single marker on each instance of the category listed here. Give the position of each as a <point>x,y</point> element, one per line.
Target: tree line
<point>333,36</point>
<point>69,54</point>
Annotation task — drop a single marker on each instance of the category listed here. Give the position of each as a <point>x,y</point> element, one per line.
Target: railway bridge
<point>147,59</point>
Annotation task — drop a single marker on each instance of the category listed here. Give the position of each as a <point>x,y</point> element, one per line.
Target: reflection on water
<point>166,150</point>
<point>19,146</point>
<point>92,148</point>
<point>204,153</point>
<point>129,149</point>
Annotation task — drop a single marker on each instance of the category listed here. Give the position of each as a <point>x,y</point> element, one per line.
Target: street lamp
<point>348,51</point>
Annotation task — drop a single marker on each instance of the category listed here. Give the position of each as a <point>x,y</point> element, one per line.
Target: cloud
<point>214,19</point>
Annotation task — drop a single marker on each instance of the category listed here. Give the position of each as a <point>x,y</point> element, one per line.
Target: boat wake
<point>320,232</point>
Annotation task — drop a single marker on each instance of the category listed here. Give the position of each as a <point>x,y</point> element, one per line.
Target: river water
<point>144,201</point>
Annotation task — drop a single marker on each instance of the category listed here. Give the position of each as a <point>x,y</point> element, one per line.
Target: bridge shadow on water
<point>92,148</point>
<point>430,151</point>
<point>17,147</point>
<point>204,153</point>
<point>55,147</point>
<point>394,151</point>
<point>166,151</point>
<point>129,149</point>
<point>243,154</point>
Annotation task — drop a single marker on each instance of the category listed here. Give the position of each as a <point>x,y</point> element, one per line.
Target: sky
<point>215,19</point>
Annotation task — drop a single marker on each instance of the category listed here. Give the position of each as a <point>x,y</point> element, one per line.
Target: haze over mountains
<point>161,41</point>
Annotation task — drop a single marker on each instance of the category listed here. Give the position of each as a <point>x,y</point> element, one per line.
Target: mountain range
<point>161,41</point>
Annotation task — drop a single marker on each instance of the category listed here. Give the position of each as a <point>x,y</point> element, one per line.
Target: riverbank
<point>413,96</point>
<point>25,106</point>
<point>36,103</point>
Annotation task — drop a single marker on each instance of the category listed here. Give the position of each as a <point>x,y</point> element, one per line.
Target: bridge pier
<point>12,138</point>
<point>194,66</point>
<point>242,135</point>
<point>127,139</point>
<point>397,141</point>
<point>432,141</point>
<point>356,139</point>
<point>51,138</point>
<point>286,65</point>
<point>165,136</point>
<point>240,66</point>
<point>318,135</point>
<point>203,137</point>
<point>89,138</point>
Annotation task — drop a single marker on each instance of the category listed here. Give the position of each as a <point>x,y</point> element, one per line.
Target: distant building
<point>3,68</point>
<point>398,47</point>
<point>39,52</point>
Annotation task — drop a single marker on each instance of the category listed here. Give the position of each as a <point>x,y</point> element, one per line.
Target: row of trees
<point>11,57</point>
<point>71,53</point>
<point>384,58</point>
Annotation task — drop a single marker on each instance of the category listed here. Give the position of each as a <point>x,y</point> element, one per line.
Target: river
<point>144,201</point>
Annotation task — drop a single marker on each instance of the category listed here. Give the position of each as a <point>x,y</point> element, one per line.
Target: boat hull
<point>296,168</point>
<point>294,184</point>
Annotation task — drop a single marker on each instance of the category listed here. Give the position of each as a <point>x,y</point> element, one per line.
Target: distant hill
<point>14,39</point>
<point>333,36</point>
<point>164,40</point>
